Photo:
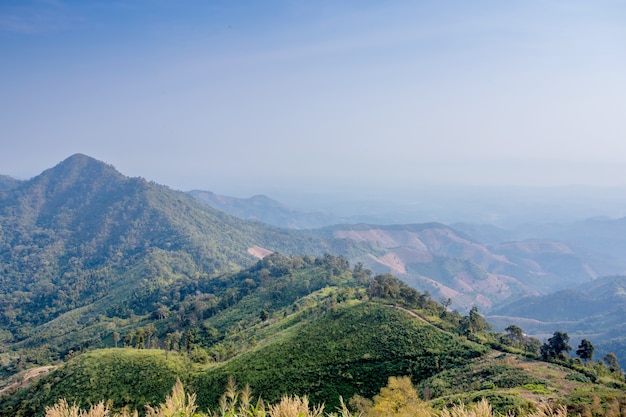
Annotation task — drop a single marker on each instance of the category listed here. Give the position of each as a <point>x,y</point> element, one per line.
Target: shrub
<point>536,388</point>
<point>578,377</point>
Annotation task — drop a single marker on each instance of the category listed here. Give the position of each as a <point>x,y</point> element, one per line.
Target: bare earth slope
<point>450,264</point>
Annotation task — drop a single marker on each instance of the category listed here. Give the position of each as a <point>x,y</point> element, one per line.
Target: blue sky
<point>242,96</point>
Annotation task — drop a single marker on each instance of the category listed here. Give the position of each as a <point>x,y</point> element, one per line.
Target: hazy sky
<point>236,96</point>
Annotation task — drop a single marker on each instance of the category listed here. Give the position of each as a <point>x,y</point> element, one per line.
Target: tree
<point>474,323</point>
<point>585,350</point>
<point>130,336</point>
<point>515,334</point>
<point>398,398</point>
<point>116,338</point>
<point>168,342</point>
<point>149,331</point>
<point>611,360</point>
<point>188,340</point>
<point>532,345</point>
<point>556,346</point>
<point>141,338</point>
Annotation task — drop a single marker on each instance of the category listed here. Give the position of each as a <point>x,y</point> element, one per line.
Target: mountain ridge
<point>264,209</point>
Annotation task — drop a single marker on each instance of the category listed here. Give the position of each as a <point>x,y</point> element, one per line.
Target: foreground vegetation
<point>397,399</point>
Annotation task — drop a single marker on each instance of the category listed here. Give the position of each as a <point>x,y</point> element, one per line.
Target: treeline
<point>184,317</point>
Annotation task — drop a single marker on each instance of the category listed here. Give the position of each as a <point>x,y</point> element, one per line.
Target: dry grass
<point>294,406</point>
<point>63,409</point>
<point>238,403</point>
<point>177,404</point>
<point>481,409</point>
<point>547,410</point>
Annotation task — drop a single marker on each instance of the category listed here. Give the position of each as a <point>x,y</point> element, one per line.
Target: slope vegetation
<point>314,327</point>
<point>82,245</point>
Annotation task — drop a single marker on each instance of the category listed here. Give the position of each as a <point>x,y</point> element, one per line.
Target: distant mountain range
<point>548,265</point>
<point>266,210</point>
<point>441,259</point>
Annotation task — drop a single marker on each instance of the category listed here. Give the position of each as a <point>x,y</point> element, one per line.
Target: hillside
<point>600,241</point>
<point>473,264</point>
<point>83,245</point>
<point>113,287</point>
<point>451,264</point>
<point>332,335</point>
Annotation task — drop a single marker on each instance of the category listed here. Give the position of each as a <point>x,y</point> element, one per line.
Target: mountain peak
<point>76,179</point>
<point>78,168</point>
<point>80,161</point>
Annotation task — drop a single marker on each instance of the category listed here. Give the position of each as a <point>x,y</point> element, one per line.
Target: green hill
<point>352,349</point>
<point>314,327</point>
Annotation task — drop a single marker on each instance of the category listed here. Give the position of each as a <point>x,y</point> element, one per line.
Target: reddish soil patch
<point>259,252</point>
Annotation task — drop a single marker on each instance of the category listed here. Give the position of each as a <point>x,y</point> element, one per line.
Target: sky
<point>239,96</point>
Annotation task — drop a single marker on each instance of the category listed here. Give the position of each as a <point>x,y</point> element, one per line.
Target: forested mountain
<point>82,244</point>
<point>266,210</point>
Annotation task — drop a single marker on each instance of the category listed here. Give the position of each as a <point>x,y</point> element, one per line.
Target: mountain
<point>595,311</point>
<point>82,245</point>
<point>451,264</point>
<point>92,260</point>
<point>264,209</point>
<point>471,264</point>
<point>600,239</point>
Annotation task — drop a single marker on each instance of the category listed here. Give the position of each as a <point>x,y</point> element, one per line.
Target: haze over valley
<point>223,209</point>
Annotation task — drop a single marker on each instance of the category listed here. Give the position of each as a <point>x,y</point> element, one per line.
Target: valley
<point>121,286</point>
